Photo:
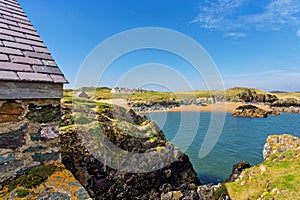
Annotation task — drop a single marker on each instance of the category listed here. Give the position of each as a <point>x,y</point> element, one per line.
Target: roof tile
<point>16,19</point>
<point>8,50</point>
<point>3,12</point>
<point>15,67</point>
<point>32,37</point>
<point>17,8</point>
<point>20,17</point>
<point>8,75</point>
<point>25,60</point>
<point>17,45</point>
<point>22,30</point>
<point>10,3</point>
<point>30,42</point>
<point>49,63</point>
<point>3,57</point>
<point>41,50</point>
<point>32,54</point>
<point>6,37</point>
<point>58,78</point>
<point>48,70</point>
<point>27,26</point>
<point>3,25</point>
<point>25,76</point>
<point>11,9</point>
<point>6,21</point>
<point>23,55</point>
<point>11,33</point>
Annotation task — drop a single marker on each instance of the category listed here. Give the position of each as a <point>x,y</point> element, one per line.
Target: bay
<point>240,139</point>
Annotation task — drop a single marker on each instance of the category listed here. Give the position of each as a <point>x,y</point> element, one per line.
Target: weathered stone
<point>34,149</point>
<point>7,158</point>
<point>39,157</point>
<point>190,195</point>
<point>43,114</point>
<point>173,195</point>
<point>35,136</point>
<point>10,111</point>
<point>14,139</point>
<point>49,132</point>
<point>7,169</point>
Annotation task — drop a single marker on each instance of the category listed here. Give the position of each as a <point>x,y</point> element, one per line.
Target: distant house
<point>31,86</point>
<point>82,94</point>
<point>118,90</point>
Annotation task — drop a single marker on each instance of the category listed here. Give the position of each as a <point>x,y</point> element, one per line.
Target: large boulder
<point>249,111</point>
<point>237,170</point>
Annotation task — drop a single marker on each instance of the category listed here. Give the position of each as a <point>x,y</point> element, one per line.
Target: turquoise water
<point>241,139</point>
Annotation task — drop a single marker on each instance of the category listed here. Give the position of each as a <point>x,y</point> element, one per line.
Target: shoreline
<point>217,107</point>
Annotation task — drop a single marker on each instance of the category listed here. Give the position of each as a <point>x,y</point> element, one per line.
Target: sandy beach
<point>217,107</point>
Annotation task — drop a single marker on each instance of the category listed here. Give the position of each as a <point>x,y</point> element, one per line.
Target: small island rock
<point>250,111</point>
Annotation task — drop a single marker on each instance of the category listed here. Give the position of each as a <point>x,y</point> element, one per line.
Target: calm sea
<point>240,139</point>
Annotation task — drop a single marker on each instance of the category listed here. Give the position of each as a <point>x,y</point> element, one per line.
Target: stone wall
<point>28,135</point>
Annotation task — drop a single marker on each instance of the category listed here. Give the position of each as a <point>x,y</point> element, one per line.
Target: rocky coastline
<point>163,105</point>
<point>96,179</point>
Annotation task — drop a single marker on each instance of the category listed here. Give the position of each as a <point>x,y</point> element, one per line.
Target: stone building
<point>82,94</point>
<point>31,86</point>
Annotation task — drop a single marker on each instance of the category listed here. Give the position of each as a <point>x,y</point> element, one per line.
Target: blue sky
<point>254,43</point>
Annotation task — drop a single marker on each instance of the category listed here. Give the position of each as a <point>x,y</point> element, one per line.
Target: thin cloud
<point>298,33</point>
<point>235,35</point>
<point>226,15</point>
<point>266,80</point>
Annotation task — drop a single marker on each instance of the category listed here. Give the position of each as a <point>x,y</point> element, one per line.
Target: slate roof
<point>23,55</point>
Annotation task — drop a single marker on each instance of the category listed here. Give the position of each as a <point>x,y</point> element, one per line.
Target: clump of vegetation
<point>221,191</point>
<point>22,193</point>
<point>31,179</point>
<point>103,107</point>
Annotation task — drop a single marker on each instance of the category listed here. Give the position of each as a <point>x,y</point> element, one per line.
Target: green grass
<point>287,95</point>
<point>103,107</point>
<point>104,93</point>
<point>280,180</point>
<point>22,193</point>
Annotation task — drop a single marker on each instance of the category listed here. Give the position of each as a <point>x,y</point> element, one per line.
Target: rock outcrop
<point>250,111</point>
<point>290,105</point>
<point>280,143</point>
<point>81,154</point>
<point>250,95</point>
<point>237,170</point>
<point>277,177</point>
